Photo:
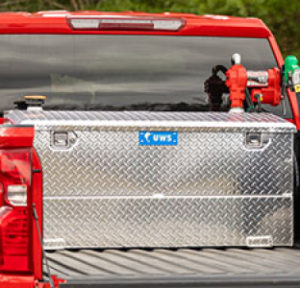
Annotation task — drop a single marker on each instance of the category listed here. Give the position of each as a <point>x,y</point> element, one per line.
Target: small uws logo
<point>162,138</point>
<point>158,138</point>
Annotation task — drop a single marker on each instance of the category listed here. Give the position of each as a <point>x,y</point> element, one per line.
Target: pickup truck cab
<point>125,64</point>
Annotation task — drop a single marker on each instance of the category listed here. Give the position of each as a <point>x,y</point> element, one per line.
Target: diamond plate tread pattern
<point>256,121</point>
<point>111,163</point>
<point>168,222</point>
<point>210,190</point>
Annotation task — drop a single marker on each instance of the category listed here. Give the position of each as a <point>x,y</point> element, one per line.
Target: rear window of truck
<point>121,72</point>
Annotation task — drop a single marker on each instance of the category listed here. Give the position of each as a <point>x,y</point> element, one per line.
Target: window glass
<point>115,72</point>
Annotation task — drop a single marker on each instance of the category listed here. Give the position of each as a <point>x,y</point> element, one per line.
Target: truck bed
<point>231,267</point>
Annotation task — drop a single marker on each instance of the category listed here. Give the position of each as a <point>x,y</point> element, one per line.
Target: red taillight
<point>126,26</point>
<point>15,176</point>
<point>125,23</point>
<point>15,179</point>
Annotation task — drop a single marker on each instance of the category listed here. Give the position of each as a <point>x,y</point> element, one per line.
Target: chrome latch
<point>257,140</point>
<point>253,139</point>
<point>62,140</point>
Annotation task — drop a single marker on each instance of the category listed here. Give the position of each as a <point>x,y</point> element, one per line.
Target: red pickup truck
<point>134,171</point>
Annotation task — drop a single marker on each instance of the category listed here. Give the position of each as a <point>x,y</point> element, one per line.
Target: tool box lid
<point>204,120</point>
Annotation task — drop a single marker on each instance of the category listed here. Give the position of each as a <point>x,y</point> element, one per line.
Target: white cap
<point>236,59</point>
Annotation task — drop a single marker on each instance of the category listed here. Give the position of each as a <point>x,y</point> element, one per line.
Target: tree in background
<point>282,16</point>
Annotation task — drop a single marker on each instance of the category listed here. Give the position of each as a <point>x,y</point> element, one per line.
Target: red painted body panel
<point>55,23</point>
<point>291,95</point>
<point>13,281</point>
<point>14,136</point>
<point>37,192</point>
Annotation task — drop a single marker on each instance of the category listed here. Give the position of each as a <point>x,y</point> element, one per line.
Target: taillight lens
<point>15,176</point>
<point>15,182</point>
<point>17,195</point>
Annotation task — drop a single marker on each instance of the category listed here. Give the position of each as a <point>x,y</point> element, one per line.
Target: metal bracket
<point>259,241</point>
<point>54,243</point>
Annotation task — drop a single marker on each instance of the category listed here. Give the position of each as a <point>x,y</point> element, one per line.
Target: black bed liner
<point>279,267</point>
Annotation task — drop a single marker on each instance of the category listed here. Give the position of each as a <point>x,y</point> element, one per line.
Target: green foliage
<point>281,16</point>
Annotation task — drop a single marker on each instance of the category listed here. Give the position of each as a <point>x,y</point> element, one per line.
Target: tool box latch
<point>62,140</point>
<point>257,140</point>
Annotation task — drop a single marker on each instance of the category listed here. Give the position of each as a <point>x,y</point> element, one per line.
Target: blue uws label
<point>158,138</point>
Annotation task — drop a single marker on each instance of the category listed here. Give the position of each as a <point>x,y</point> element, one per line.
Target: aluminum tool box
<point>164,179</point>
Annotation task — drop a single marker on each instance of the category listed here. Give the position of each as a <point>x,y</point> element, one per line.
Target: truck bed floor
<point>279,267</point>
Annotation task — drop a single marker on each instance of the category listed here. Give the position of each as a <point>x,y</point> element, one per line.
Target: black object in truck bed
<point>278,267</point>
